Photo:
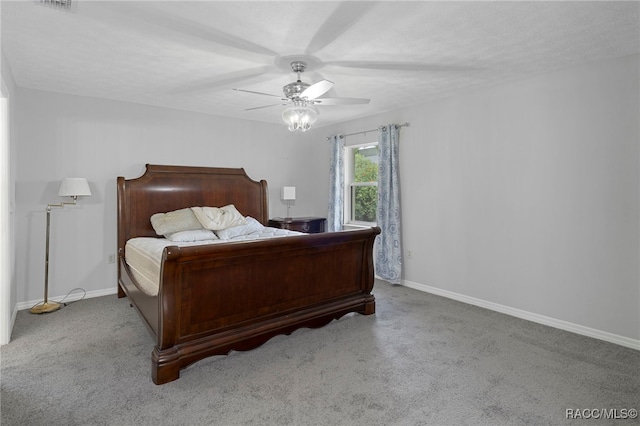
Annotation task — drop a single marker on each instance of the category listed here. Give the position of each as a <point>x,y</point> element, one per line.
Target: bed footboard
<point>237,296</point>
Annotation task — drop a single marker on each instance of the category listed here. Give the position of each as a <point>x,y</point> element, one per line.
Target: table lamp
<point>288,195</point>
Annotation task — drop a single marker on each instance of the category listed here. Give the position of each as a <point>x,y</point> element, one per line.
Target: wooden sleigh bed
<point>216,298</point>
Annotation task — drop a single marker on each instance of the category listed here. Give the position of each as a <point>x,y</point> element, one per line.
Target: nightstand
<point>311,225</point>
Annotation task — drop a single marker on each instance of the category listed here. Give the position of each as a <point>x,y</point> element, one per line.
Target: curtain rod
<point>405,124</point>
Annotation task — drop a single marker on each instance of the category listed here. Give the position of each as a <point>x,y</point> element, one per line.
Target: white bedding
<point>144,254</point>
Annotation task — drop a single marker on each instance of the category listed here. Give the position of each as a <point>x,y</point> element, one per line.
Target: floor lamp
<point>69,187</point>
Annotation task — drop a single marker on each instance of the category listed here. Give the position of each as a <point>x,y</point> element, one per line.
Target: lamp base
<point>45,308</point>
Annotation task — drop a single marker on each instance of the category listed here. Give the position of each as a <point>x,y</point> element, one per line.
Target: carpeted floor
<point>420,360</point>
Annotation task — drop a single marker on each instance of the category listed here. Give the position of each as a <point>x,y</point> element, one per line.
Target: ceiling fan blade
<point>259,93</point>
<point>342,18</point>
<point>168,24</point>
<point>340,101</point>
<point>264,106</point>
<point>218,81</point>
<point>402,66</point>
<point>317,89</point>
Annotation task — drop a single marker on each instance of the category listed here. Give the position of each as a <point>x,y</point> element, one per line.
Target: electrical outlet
<point>111,258</point>
<point>409,254</point>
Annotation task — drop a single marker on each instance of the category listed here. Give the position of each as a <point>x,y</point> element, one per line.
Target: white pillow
<point>217,218</point>
<point>192,235</point>
<point>251,226</point>
<point>175,221</point>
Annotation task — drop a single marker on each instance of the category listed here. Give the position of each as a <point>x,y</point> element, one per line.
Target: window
<point>361,183</point>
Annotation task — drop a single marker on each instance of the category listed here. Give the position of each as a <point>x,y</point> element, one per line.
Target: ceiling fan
<point>302,98</point>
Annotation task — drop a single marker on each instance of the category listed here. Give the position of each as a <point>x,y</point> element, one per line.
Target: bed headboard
<point>166,188</point>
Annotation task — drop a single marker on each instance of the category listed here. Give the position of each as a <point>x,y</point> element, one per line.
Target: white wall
<point>69,136</point>
<point>525,195</point>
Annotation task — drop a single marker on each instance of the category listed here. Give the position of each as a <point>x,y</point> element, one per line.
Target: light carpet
<point>420,360</point>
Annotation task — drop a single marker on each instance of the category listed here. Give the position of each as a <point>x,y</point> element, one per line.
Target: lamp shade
<point>288,192</point>
<point>74,187</point>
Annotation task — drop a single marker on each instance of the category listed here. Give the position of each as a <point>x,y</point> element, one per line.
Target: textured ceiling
<point>189,55</point>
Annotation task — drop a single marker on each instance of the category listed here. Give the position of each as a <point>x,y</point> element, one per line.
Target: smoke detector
<point>65,5</point>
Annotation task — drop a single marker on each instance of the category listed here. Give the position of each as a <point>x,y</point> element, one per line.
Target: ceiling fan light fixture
<point>300,116</point>
<point>301,97</point>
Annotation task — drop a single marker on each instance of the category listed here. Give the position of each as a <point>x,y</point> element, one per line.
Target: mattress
<point>143,255</point>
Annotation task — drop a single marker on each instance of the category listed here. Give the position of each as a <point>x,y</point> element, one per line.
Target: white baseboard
<point>12,321</point>
<point>519,313</point>
<point>72,297</point>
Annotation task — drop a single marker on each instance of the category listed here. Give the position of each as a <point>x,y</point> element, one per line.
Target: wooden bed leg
<point>121,292</point>
<point>369,307</point>
<point>165,367</point>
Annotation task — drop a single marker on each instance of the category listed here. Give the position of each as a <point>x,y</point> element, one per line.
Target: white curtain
<point>336,188</point>
<point>388,244</point>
